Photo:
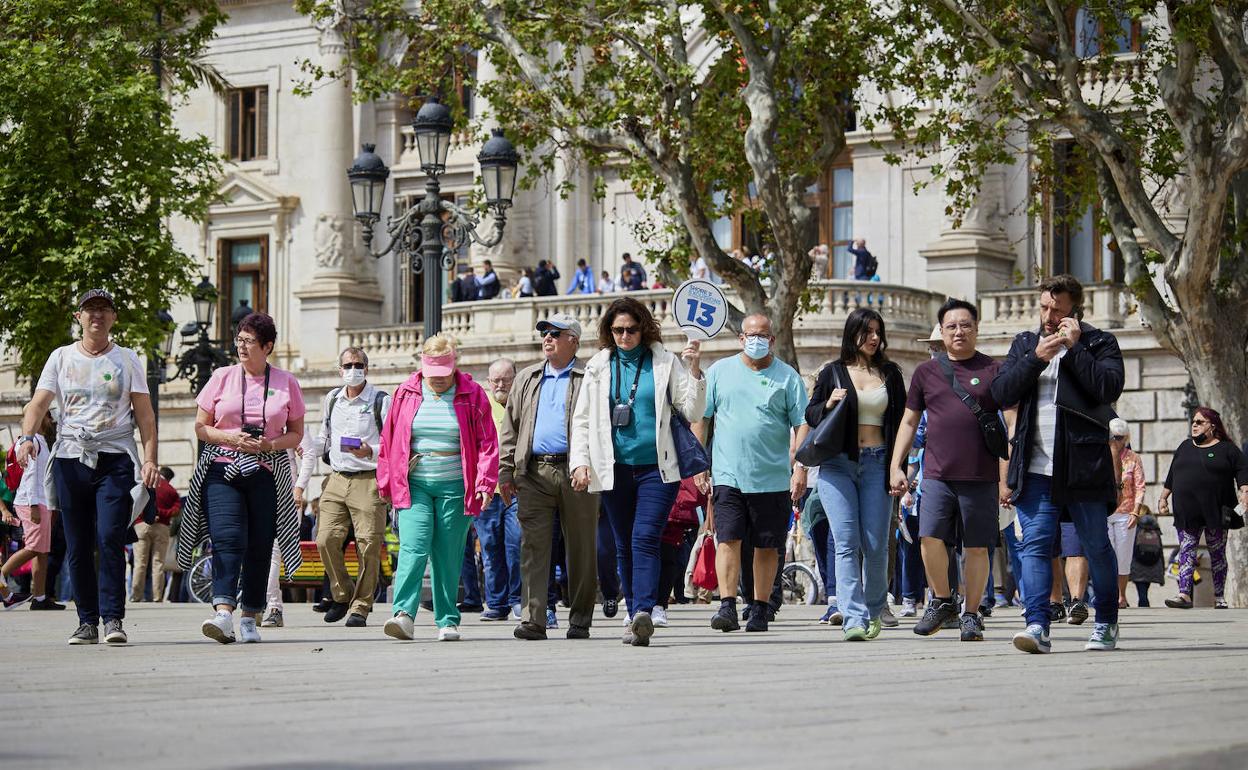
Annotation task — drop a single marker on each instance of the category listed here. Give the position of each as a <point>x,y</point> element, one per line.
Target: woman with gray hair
<point>1122,521</point>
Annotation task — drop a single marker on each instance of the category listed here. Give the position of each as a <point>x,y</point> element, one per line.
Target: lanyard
<point>243,389</point>
<point>632,395</point>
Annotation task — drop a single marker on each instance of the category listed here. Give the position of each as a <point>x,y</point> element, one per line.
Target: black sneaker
<point>1078,613</point>
<point>610,607</point>
<point>87,633</point>
<point>1057,611</point>
<point>356,620</point>
<point>726,618</point>
<point>771,613</point>
<point>935,617</point>
<point>758,620</point>
<point>323,605</point>
<point>114,633</point>
<point>529,632</point>
<point>16,599</point>
<point>46,603</point>
<point>985,610</point>
<point>578,632</point>
<point>972,629</point>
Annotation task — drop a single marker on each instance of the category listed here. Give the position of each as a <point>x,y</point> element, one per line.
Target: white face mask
<point>353,376</point>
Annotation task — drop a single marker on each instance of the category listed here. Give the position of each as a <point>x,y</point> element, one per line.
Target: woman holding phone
<point>249,415</point>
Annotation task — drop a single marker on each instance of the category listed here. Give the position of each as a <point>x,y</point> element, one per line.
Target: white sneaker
<point>219,627</point>
<point>515,612</point>
<point>658,616</point>
<point>400,626</point>
<point>908,609</point>
<point>247,631</point>
<point>628,622</point>
<point>448,634</point>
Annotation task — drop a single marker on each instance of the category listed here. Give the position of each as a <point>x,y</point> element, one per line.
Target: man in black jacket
<point>1063,379</point>
<point>544,279</point>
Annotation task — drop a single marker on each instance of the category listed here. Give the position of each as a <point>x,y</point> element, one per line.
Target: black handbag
<point>990,425</point>
<point>691,456</point>
<point>827,440</point>
<point>1231,518</point>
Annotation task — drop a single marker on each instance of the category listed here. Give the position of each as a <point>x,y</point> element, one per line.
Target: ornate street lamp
<point>204,296</point>
<point>428,233</point>
<point>202,355</point>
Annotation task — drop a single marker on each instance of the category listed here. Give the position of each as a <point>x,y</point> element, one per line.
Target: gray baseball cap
<point>561,321</point>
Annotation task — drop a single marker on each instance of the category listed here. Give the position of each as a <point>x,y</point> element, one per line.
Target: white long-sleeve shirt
<point>352,417</point>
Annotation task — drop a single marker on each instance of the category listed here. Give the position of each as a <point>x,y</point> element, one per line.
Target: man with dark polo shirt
<point>961,486</point>
<point>756,401</point>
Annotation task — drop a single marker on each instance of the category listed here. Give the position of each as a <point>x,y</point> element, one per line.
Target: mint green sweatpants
<point>433,529</point>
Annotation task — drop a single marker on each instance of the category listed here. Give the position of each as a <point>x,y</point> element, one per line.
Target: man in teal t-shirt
<point>755,400</point>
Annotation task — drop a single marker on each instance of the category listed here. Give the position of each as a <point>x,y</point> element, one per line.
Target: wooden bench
<point>312,572</point>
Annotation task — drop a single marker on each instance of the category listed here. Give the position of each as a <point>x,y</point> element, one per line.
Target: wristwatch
<point>21,439</point>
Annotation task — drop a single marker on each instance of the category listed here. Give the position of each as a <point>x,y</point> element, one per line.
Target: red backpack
<point>12,470</point>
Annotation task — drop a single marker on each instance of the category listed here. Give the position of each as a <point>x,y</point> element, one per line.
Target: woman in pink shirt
<point>249,415</point>
<point>1130,499</point>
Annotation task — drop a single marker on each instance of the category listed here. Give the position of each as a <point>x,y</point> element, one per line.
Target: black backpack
<point>873,265</point>
<point>1148,548</point>
<point>378,398</point>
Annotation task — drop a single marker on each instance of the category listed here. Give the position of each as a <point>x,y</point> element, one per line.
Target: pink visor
<point>437,366</point>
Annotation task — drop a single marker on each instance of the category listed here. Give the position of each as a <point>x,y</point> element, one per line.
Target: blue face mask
<point>757,348</point>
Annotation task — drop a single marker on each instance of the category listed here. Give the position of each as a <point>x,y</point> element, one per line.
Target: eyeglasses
<point>243,342</point>
<point>551,333</point>
<point>763,337</point>
<point>1118,438</point>
<point>621,331</point>
<point>502,383</point>
<point>965,326</point>
<point>354,365</point>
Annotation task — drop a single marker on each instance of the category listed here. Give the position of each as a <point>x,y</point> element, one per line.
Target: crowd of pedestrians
<point>586,474</point>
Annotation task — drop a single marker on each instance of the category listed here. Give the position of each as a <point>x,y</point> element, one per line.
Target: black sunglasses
<point>552,333</point>
<point>354,365</point>
<point>620,331</point>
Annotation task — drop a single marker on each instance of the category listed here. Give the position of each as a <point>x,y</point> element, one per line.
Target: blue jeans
<point>498,529</point>
<point>1014,548</point>
<point>95,507</point>
<point>856,502</point>
<point>242,525</point>
<point>468,571</point>
<point>638,508</point>
<point>1040,521</point>
<point>608,559</point>
<point>910,558</point>
<point>825,556</point>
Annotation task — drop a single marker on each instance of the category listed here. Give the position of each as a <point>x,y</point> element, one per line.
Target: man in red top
<point>154,541</point>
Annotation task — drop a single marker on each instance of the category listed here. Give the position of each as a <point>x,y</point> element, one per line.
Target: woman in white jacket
<point>622,443</point>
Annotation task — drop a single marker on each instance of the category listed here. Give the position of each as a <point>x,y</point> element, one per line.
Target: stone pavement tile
<point>314,695</point>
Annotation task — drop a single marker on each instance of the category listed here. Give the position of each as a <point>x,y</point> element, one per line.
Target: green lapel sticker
<point>271,391</point>
<point>974,380</point>
<point>108,377</point>
<point>1211,455</point>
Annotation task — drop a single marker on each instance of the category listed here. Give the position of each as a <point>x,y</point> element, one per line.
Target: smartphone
<point>348,444</point>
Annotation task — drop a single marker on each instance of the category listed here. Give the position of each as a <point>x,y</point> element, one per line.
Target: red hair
<point>1215,422</point>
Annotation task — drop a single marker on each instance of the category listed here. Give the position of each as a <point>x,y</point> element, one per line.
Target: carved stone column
<point>972,255</point>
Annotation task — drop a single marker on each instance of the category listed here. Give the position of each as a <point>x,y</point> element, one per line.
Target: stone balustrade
<point>505,327</point>
<point>1106,306</point>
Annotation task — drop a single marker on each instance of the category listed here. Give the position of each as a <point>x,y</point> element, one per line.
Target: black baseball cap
<point>91,294</point>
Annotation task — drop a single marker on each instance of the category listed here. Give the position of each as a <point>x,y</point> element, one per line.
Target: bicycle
<point>800,581</point>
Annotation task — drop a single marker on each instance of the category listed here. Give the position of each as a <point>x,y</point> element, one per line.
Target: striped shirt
<point>436,429</point>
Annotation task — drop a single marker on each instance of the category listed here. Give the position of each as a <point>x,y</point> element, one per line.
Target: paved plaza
<point>316,696</point>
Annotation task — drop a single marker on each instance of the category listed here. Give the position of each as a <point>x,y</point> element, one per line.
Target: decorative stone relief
<point>330,241</point>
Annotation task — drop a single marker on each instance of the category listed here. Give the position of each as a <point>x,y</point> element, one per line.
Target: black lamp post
<point>202,356</point>
<point>156,358</point>
<point>428,233</point>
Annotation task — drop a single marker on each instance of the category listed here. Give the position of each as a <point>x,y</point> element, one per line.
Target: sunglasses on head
<point>620,331</point>
<point>354,365</point>
<point>552,333</point>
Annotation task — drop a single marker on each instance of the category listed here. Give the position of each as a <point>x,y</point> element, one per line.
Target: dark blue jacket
<point>1091,375</point>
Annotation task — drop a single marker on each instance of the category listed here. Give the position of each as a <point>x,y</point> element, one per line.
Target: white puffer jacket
<point>591,418</point>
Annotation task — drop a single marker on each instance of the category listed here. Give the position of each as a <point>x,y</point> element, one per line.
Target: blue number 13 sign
<point>700,309</point>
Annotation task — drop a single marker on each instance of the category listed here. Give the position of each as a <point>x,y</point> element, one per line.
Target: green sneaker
<point>873,628</point>
<point>856,634</point>
<point>1104,637</point>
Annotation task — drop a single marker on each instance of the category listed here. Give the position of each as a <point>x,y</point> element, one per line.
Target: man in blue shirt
<point>533,465</point>
<point>583,280</point>
<point>756,402</point>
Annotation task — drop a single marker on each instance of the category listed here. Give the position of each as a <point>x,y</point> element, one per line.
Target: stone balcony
<point>496,328</point>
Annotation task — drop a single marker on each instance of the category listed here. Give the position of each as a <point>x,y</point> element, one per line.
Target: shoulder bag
<point>691,456</point>
<point>990,425</point>
<point>827,440</point>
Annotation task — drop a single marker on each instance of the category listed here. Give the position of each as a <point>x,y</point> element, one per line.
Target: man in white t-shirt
<point>101,392</point>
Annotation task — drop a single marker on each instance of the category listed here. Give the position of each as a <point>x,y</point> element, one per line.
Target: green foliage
<point>91,165</point>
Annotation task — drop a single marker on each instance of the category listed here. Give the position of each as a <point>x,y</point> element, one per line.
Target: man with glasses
<point>533,466</point>
<point>350,434</point>
<point>961,477</point>
<point>1063,378</point>
<point>498,529</point>
<point>756,401</point>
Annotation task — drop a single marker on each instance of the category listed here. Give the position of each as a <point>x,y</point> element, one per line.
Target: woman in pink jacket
<point>438,466</point>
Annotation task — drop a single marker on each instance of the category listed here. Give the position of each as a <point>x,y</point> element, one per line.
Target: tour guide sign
<point>700,309</point>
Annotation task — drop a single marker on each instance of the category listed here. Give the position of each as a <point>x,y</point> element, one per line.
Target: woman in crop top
<point>854,485</point>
